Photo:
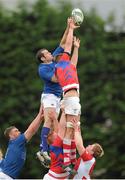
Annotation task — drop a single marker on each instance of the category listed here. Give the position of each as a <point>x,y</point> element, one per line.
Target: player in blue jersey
<point>16,152</point>
<point>51,95</point>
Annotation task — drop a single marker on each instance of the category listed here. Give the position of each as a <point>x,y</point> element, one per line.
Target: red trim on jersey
<point>91,170</point>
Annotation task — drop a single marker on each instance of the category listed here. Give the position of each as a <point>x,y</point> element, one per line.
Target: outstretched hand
<point>76,42</point>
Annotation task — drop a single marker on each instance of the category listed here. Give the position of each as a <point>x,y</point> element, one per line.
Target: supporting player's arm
<point>62,126</point>
<point>74,58</point>
<point>78,138</point>
<point>33,127</point>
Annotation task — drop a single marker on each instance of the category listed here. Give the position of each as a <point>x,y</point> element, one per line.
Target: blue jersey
<point>46,72</point>
<point>15,156</point>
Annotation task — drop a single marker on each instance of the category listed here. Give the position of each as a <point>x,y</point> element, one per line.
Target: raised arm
<point>63,40</point>
<point>33,127</point>
<point>78,138</point>
<point>74,58</point>
<point>69,39</point>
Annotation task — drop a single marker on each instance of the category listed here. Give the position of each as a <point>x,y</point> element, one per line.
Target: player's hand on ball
<point>72,24</point>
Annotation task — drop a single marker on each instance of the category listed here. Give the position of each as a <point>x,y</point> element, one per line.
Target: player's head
<point>95,149</point>
<point>11,132</point>
<point>44,56</point>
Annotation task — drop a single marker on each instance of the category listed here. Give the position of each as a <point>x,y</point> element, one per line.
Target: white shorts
<point>71,105</point>
<point>50,100</point>
<point>4,176</point>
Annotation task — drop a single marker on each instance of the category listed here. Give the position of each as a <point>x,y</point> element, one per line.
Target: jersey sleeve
<point>86,156</point>
<point>21,140</point>
<point>57,51</point>
<point>45,73</point>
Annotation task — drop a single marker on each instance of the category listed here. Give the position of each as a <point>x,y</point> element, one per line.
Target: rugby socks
<point>73,152</point>
<point>67,153</point>
<point>44,133</point>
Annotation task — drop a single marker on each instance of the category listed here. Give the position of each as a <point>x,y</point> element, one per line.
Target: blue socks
<point>44,134</point>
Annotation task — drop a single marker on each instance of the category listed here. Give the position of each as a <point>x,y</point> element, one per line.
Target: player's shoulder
<point>21,138</point>
<point>86,156</point>
<point>44,67</point>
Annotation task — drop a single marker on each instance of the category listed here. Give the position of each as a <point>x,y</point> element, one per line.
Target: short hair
<point>7,131</point>
<point>98,150</point>
<point>40,54</point>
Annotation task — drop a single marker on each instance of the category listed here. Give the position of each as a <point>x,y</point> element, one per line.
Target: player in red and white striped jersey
<point>86,162</point>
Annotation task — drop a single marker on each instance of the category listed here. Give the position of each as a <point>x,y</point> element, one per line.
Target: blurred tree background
<point>101,71</point>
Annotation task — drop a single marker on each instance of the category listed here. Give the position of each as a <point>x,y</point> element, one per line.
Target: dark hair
<point>7,131</point>
<point>40,54</point>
